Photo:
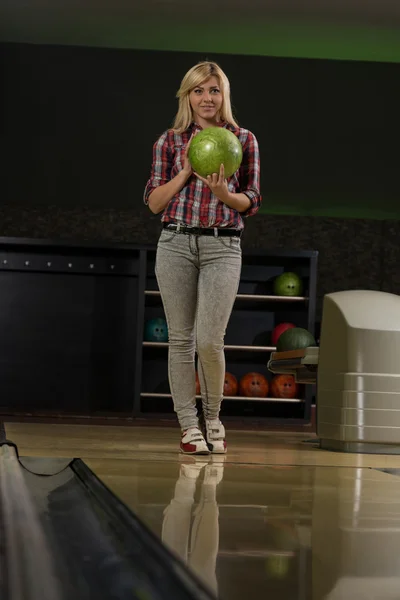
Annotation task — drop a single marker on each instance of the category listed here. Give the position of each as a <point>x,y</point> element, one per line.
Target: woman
<point>198,260</point>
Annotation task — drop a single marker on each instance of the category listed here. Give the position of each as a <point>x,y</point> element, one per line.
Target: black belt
<point>215,231</point>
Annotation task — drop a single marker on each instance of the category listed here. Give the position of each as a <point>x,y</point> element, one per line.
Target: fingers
<point>202,178</point>
<point>210,180</point>
<point>213,179</point>
<point>221,173</point>
<point>188,146</point>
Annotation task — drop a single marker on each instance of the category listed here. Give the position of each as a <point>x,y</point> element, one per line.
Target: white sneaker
<point>193,442</point>
<point>215,436</point>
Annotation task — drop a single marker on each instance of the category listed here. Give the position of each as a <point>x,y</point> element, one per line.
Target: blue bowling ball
<point>156,330</point>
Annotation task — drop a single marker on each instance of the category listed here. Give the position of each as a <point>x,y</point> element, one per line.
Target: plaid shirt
<point>195,205</point>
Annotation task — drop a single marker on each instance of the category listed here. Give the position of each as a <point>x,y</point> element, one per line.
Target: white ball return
<point>356,370</point>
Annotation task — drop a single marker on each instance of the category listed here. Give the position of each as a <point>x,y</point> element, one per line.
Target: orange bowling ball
<point>253,385</point>
<point>284,386</point>
<point>230,385</point>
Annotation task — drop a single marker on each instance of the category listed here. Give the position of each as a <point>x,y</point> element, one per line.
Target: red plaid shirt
<point>195,204</point>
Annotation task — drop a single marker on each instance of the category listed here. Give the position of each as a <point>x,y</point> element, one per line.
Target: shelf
<point>256,553</point>
<point>252,297</point>
<point>236,398</point>
<point>248,346</point>
<point>263,507</point>
<point>229,347</point>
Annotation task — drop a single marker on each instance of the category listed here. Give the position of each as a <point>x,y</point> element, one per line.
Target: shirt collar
<point>194,125</point>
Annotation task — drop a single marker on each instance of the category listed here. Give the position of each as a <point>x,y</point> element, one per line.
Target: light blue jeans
<point>198,277</point>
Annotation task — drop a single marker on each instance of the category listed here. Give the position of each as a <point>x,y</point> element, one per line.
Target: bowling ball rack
<point>303,364</point>
<point>74,340</point>
<point>65,535</point>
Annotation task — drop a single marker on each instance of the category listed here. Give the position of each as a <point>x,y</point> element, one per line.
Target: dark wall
<point>353,253</point>
<point>79,123</point>
<point>78,126</point>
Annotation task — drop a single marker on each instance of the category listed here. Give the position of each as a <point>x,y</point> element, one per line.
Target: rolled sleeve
<point>250,175</point>
<point>161,166</point>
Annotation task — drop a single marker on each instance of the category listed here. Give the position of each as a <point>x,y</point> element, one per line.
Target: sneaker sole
<point>211,448</point>
<point>203,429</point>
<point>197,452</point>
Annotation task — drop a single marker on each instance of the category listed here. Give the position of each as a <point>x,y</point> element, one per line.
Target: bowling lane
<point>277,516</point>
<point>301,532</point>
<point>161,444</point>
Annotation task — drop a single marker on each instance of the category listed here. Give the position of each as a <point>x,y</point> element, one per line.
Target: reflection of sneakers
<point>193,442</point>
<point>193,470</point>
<point>217,459</point>
<point>213,474</point>
<point>215,436</point>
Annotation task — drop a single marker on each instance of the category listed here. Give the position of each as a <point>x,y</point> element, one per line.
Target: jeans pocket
<point>231,243</point>
<point>167,236</point>
<point>236,243</point>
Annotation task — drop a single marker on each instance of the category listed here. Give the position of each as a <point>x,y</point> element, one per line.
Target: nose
<point>207,96</point>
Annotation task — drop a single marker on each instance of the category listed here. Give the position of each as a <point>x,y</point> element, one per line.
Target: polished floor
<point>277,517</point>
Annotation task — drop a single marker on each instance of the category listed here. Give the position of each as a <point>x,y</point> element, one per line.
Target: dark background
<point>78,126</point>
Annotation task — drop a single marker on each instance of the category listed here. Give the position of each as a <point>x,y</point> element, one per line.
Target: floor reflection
<point>244,530</point>
<point>320,533</point>
<point>278,518</point>
<point>192,531</point>
<point>355,535</point>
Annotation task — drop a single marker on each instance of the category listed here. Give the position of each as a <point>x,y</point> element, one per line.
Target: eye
<point>215,91</point>
<point>197,92</point>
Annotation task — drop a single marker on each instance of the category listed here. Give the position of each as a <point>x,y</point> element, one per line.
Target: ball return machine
<point>356,370</point>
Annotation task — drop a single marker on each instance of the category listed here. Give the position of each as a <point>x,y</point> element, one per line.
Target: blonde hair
<point>193,78</point>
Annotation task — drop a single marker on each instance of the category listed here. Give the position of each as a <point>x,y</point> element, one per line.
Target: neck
<point>205,123</point>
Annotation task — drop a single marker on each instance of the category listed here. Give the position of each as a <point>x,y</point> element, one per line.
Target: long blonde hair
<point>193,78</point>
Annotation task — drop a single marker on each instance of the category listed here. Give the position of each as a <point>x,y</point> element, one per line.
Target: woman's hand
<point>217,184</point>
<point>187,167</point>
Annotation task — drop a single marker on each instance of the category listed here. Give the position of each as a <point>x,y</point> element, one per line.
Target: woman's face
<point>206,101</point>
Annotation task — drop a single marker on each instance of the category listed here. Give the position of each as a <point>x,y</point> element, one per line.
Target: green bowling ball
<point>288,284</point>
<point>215,146</point>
